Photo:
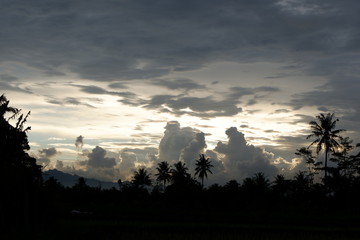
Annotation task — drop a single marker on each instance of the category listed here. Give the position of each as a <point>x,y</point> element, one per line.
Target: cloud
<point>338,95</point>
<point>7,78</point>
<point>242,159</point>
<point>72,101</point>
<point>191,152</point>
<point>122,43</point>
<point>118,85</point>
<point>180,143</point>
<point>79,142</point>
<point>46,155</point>
<point>9,87</point>
<point>132,158</point>
<point>239,92</point>
<point>97,163</point>
<point>176,84</point>
<point>278,111</point>
<point>113,40</point>
<point>185,144</point>
<point>98,159</point>
<point>98,90</point>
<point>127,164</point>
<point>218,175</point>
<point>93,42</point>
<point>204,107</point>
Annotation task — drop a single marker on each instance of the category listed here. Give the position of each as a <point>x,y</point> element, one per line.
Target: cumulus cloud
<point>132,158</point>
<point>46,155</point>
<point>191,152</point>
<point>185,144</point>
<point>180,143</point>
<point>219,175</point>
<point>234,159</point>
<point>127,163</point>
<point>96,163</point>
<point>79,142</point>
<point>98,159</point>
<point>242,159</point>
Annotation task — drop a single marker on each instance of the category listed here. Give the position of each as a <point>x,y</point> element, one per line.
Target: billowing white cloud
<point>234,159</point>
<point>180,143</point>
<point>134,158</point>
<point>242,159</point>
<point>93,164</point>
<point>191,152</point>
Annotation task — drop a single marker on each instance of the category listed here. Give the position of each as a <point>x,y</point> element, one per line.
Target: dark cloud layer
<point>175,84</point>
<point>125,40</point>
<point>107,40</point>
<point>204,107</point>
<point>118,42</point>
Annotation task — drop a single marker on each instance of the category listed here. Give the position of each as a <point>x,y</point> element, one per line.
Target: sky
<point>118,84</point>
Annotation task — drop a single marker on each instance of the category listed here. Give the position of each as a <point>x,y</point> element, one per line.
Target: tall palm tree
<point>179,173</point>
<point>326,136</point>
<point>141,177</point>
<point>163,174</point>
<point>280,186</point>
<point>203,166</point>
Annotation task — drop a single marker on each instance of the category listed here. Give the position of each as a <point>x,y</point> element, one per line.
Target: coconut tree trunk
<point>326,160</point>
<point>326,169</point>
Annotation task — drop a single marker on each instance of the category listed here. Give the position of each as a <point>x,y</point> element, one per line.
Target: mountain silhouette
<point>69,180</point>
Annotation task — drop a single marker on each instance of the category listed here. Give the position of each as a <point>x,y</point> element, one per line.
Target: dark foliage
<point>20,176</point>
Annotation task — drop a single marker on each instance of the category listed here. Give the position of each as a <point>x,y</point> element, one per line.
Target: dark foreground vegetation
<point>178,206</point>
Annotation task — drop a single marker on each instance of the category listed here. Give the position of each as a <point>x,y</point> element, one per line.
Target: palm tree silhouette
<point>280,185</point>
<point>326,135</point>
<point>179,173</point>
<point>163,174</point>
<point>261,183</point>
<point>203,166</point>
<point>141,177</point>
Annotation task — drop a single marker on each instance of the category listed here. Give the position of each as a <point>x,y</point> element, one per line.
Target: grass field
<point>84,229</point>
<point>157,223</point>
<point>158,230</point>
